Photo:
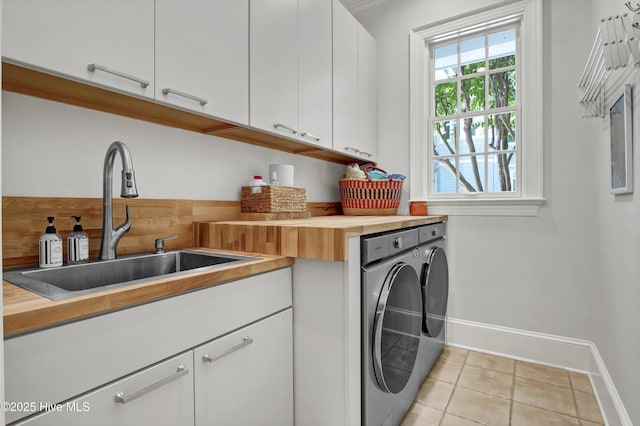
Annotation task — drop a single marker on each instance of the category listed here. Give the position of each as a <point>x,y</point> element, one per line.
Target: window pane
<point>502,89</point>
<point>502,49</point>
<point>446,98</point>
<point>446,61</point>
<point>472,94</point>
<point>472,55</point>
<point>502,172</point>
<point>444,137</point>
<point>444,175</point>
<point>472,135</point>
<point>472,173</point>
<point>502,131</point>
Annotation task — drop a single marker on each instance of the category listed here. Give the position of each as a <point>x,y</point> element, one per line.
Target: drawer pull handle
<point>168,90</point>
<point>246,341</point>
<point>309,135</point>
<point>122,398</point>
<point>282,126</point>
<point>93,67</point>
<point>368,154</point>
<point>350,148</point>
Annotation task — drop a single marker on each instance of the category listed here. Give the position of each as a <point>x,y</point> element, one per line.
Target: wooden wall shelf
<point>28,81</point>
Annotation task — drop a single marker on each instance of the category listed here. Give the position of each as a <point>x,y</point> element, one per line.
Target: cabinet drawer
<point>158,395</point>
<point>246,377</point>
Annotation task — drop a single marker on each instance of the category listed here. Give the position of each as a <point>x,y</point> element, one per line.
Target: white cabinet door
<point>367,96</point>
<point>315,109</point>
<point>66,36</point>
<point>202,56</point>
<point>158,395</point>
<point>274,66</point>
<point>345,80</point>
<point>246,377</point>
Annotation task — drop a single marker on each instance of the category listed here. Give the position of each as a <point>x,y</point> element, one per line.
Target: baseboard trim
<point>557,351</point>
<point>610,402</point>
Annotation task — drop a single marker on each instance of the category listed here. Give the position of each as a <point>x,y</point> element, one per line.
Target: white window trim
<point>531,80</point>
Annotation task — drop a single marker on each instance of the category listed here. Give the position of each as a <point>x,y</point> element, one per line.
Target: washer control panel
<point>380,246</point>
<point>403,240</point>
<point>432,232</point>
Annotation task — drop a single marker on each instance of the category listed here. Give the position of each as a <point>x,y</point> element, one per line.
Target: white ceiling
<point>356,6</point>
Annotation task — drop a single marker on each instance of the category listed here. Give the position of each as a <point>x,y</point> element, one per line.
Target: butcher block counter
<point>319,237</point>
<point>25,311</point>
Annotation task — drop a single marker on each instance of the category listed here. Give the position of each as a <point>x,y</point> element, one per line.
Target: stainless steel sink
<point>76,280</point>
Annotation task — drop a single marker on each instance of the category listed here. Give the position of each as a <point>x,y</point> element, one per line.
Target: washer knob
<point>397,243</point>
<point>434,231</point>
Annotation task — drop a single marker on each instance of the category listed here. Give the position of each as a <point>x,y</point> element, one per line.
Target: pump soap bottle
<point>50,247</point>
<point>77,244</point>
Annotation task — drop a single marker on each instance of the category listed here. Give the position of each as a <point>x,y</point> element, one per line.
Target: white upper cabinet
<point>345,80</point>
<point>68,36</point>
<point>354,86</point>
<point>315,97</point>
<point>367,96</point>
<point>290,71</point>
<point>202,56</point>
<point>274,66</point>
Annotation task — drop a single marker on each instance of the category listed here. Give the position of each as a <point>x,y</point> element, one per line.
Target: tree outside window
<point>475,130</point>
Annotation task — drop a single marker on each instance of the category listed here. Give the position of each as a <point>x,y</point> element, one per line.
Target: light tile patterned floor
<point>467,388</point>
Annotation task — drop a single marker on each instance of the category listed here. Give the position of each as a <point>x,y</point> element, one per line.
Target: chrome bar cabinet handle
<point>368,154</point>
<point>309,135</point>
<point>350,148</point>
<point>122,398</point>
<point>93,67</point>
<point>246,341</point>
<point>282,126</point>
<point>168,90</point>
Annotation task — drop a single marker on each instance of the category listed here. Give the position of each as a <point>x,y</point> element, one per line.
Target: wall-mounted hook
<point>628,4</point>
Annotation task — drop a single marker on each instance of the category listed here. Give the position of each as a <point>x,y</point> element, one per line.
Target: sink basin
<point>76,280</point>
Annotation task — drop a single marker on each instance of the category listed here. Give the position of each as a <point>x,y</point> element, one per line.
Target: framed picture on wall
<point>621,131</point>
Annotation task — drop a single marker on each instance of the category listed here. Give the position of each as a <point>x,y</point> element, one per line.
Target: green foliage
<point>446,98</point>
<point>501,127</point>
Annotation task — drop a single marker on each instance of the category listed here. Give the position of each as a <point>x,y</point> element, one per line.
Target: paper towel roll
<point>283,172</point>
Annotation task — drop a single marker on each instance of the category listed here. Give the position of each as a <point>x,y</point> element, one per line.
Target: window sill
<point>486,207</point>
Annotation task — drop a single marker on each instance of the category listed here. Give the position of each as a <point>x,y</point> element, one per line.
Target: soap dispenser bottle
<point>77,244</point>
<point>50,247</point>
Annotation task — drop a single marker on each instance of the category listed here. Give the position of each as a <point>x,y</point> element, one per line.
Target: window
<point>476,134</point>
<point>474,113</point>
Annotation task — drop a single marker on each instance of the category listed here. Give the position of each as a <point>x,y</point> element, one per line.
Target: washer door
<point>435,291</point>
<point>397,325</point>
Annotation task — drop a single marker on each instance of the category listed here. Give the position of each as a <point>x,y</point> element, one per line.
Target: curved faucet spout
<point>111,236</point>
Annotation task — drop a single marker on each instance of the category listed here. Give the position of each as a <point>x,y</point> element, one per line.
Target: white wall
<point>526,273</point>
<point>57,150</point>
<point>572,271</point>
<point>617,309</point>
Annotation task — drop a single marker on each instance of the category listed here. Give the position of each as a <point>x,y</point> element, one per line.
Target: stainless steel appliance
<point>405,289</point>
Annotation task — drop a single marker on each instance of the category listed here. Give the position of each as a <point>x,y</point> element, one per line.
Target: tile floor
<point>467,388</point>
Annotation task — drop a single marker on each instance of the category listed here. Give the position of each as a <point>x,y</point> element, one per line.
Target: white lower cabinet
<point>222,355</point>
<point>158,395</point>
<point>246,377</point>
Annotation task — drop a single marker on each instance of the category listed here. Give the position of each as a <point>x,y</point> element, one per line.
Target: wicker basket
<point>367,197</point>
<point>274,199</point>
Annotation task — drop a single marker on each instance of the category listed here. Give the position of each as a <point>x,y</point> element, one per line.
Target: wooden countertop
<point>25,311</point>
<point>319,237</point>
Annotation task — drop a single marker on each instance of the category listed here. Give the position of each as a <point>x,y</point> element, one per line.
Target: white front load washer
<point>405,289</point>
